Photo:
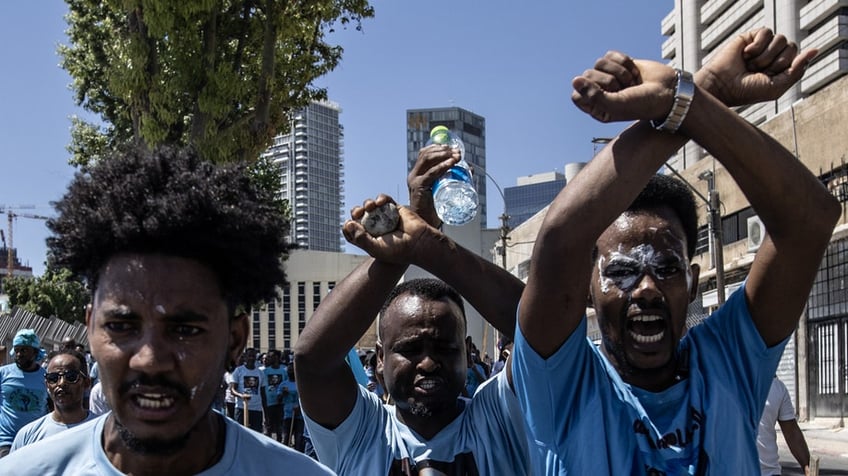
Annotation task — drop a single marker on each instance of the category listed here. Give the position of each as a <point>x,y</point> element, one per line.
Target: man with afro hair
<point>170,245</point>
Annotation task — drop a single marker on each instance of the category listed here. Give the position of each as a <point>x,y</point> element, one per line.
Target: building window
<point>256,328</point>
<point>287,317</point>
<point>829,296</point>
<point>301,306</point>
<point>316,295</point>
<point>272,324</point>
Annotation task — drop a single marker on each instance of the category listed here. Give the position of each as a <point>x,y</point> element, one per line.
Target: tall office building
<point>311,158</point>
<point>531,194</point>
<point>471,129</point>
<point>697,29</point>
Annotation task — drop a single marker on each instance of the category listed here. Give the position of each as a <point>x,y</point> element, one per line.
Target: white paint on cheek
<point>603,282</point>
<point>160,309</point>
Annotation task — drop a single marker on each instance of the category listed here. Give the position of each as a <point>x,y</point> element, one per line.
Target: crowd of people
<point>175,248</point>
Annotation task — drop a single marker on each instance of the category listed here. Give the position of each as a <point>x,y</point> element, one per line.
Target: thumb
<point>796,71</point>
<point>589,98</point>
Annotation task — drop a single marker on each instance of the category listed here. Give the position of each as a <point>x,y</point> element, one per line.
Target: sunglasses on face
<point>70,376</point>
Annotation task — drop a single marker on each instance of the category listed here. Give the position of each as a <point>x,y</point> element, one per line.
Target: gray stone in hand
<point>382,220</point>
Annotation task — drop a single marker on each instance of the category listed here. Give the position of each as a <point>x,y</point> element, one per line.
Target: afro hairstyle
<point>170,201</point>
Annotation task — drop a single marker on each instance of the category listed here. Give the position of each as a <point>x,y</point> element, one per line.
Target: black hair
<point>172,202</point>
<point>428,288</point>
<point>666,191</point>
<point>74,354</point>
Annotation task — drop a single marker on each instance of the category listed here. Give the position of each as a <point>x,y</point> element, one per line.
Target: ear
<point>379,349</point>
<point>693,290</point>
<point>239,329</point>
<point>590,303</point>
<point>88,312</point>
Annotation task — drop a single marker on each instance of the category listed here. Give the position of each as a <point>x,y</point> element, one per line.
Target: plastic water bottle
<point>453,193</point>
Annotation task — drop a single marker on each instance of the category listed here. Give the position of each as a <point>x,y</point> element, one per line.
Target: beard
<point>151,446</point>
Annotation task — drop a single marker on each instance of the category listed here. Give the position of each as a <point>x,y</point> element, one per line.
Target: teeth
<point>427,384</point>
<point>648,318</point>
<point>154,400</point>
<point>647,339</point>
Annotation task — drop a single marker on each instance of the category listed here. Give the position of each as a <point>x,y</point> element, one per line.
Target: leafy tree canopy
<point>56,293</point>
<point>219,75</point>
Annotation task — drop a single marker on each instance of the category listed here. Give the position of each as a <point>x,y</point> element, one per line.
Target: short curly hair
<point>170,201</point>
<point>666,191</point>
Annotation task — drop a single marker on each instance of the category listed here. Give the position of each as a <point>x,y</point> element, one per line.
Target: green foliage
<point>219,75</point>
<point>54,294</point>
<point>267,175</point>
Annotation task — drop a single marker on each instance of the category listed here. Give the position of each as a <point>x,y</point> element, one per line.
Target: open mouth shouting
<point>646,329</point>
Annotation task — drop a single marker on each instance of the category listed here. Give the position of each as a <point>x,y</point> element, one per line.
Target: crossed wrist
<point>684,92</point>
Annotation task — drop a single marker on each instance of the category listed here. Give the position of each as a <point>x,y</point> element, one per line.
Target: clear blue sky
<point>511,62</point>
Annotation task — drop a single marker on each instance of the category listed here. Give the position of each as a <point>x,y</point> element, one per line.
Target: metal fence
<point>51,331</point>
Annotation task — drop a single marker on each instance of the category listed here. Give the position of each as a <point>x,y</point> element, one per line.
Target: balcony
<point>833,32</point>
<point>817,11</point>
<point>729,21</point>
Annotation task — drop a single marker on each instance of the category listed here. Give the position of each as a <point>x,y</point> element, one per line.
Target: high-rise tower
<point>311,158</point>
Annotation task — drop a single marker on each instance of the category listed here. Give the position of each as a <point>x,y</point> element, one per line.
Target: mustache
<point>154,381</point>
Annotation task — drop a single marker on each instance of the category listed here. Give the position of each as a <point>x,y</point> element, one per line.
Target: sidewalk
<point>824,437</point>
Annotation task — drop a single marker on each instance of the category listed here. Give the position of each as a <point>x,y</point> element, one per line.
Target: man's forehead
<point>659,227</point>
<point>409,315</point>
<point>63,361</point>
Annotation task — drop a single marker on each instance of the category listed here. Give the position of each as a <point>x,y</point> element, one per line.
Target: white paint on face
<point>160,309</point>
<point>625,269</point>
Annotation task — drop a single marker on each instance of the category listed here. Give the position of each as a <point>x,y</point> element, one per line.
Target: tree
<point>56,293</point>
<point>219,75</point>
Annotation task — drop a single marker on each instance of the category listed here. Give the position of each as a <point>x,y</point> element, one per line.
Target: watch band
<point>683,94</point>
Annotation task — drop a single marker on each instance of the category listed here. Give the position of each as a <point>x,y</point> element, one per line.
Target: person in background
<point>67,383</point>
<point>272,402</point>
<point>248,382</point>
<point>779,410</point>
<point>97,403</point>
<point>23,395</point>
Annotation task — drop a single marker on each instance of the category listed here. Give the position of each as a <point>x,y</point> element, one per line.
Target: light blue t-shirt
<point>583,419</point>
<point>42,428</point>
<point>78,451</point>
<point>273,379</point>
<point>290,398</point>
<point>23,398</point>
<point>489,436</point>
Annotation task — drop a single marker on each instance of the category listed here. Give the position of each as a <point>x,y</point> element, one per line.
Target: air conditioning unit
<point>756,233</point>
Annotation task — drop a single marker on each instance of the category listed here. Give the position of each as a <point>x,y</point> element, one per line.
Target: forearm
<point>344,315</point>
<point>795,440</point>
<point>492,290</point>
<point>790,200</point>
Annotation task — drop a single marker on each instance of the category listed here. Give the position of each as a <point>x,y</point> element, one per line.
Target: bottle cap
<point>440,135</point>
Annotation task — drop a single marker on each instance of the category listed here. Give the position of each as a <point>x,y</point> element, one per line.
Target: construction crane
<point>11,215</point>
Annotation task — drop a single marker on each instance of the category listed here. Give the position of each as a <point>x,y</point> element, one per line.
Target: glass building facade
<point>471,129</point>
<point>311,159</point>
<point>524,201</point>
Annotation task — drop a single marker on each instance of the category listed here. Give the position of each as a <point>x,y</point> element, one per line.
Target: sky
<point>511,62</point>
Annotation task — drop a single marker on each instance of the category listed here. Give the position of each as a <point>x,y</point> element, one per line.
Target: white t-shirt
<point>97,403</point>
<point>778,408</point>
<point>249,381</point>
<point>488,437</point>
<point>78,451</point>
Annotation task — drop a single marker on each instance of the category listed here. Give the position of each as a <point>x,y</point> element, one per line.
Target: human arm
<point>497,300</point>
<point>327,387</point>
<point>797,443</point>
